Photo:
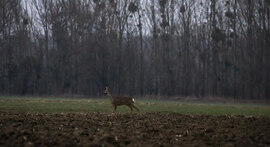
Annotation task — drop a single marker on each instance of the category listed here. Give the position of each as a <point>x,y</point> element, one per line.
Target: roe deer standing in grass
<point>118,101</point>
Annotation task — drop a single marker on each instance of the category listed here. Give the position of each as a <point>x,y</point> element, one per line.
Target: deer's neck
<point>109,94</point>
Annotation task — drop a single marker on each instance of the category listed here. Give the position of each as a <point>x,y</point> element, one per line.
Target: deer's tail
<point>133,101</point>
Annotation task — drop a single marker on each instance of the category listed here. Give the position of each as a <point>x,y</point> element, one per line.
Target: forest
<point>167,48</point>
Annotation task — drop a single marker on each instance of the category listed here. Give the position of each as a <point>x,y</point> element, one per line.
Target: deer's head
<point>107,90</point>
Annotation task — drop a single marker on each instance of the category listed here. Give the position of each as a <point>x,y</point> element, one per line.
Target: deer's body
<point>119,100</point>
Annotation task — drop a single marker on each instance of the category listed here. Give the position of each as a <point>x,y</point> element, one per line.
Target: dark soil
<point>149,129</point>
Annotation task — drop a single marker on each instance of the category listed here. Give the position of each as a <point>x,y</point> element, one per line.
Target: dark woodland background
<point>199,48</point>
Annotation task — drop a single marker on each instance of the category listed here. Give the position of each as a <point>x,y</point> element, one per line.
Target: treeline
<point>154,47</point>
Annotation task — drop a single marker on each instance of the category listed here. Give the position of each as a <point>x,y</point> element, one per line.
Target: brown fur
<point>118,100</point>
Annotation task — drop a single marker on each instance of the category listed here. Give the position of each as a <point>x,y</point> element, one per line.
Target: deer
<point>119,100</point>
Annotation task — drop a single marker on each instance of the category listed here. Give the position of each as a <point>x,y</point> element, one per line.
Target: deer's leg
<point>112,108</point>
<point>135,107</point>
<point>115,108</point>
<point>130,106</point>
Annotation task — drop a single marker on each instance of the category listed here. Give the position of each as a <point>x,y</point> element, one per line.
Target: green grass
<point>61,105</point>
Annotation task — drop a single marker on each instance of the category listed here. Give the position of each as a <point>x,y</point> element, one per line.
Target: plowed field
<point>139,129</point>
